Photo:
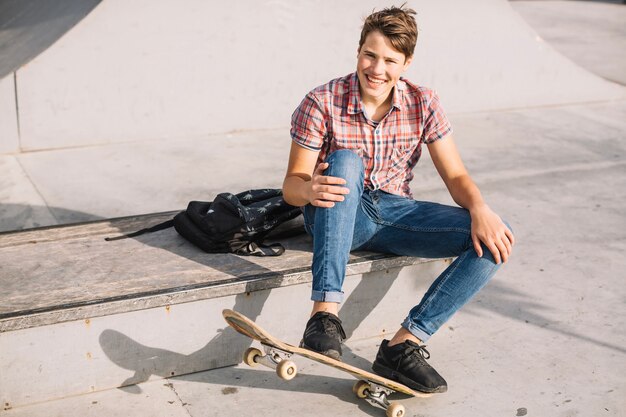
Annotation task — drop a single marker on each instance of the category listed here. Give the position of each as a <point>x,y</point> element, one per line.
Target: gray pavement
<point>546,338</point>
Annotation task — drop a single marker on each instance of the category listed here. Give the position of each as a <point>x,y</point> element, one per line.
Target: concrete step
<point>80,314</point>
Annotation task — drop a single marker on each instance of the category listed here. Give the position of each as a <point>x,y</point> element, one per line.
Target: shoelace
<point>332,325</point>
<point>415,349</point>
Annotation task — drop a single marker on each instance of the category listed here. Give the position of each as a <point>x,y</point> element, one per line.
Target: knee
<point>345,164</point>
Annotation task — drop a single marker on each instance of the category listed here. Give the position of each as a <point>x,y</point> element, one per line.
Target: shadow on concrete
<point>227,346</point>
<point>266,380</point>
<point>29,27</point>
<point>17,217</point>
<point>364,298</point>
<point>145,361</point>
<point>498,298</point>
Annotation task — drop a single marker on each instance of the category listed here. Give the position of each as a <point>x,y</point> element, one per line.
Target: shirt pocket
<point>399,160</point>
<point>404,135</point>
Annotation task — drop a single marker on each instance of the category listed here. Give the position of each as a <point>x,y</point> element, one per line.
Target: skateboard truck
<point>274,358</point>
<point>376,395</point>
<point>286,369</point>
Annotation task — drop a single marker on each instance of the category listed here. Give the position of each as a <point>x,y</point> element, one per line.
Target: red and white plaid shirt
<point>332,117</point>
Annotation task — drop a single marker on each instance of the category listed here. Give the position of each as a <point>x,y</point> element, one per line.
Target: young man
<point>355,143</point>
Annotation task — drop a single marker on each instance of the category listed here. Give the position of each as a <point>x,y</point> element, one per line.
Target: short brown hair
<point>397,24</point>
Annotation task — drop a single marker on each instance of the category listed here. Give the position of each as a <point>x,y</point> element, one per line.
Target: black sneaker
<point>324,334</point>
<point>406,363</point>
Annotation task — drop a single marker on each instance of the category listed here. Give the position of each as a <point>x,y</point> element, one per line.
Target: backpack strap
<point>155,228</point>
<point>261,249</point>
<point>258,247</point>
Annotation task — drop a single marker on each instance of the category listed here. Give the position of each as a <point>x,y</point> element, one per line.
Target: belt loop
<point>375,196</point>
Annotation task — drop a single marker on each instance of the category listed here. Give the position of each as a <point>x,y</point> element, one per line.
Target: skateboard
<point>371,387</point>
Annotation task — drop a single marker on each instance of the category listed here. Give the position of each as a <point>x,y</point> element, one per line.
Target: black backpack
<point>232,223</point>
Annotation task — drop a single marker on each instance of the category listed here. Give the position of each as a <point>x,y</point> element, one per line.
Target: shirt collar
<point>354,99</point>
<point>398,94</point>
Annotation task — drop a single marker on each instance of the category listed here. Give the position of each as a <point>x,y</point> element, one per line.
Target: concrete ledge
<point>58,274</point>
<point>82,356</point>
<point>80,314</point>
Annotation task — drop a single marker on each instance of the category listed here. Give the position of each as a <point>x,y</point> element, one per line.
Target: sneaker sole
<point>331,353</point>
<point>396,376</point>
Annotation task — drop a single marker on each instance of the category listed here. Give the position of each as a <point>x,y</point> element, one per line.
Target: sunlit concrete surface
<point>545,338</point>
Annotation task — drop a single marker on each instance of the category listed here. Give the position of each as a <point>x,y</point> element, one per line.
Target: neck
<point>377,108</point>
<point>378,101</point>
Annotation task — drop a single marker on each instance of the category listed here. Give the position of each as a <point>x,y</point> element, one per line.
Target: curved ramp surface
<point>164,69</point>
<point>591,33</point>
<point>29,27</point>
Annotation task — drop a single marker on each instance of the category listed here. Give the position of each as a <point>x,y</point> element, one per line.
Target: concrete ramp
<point>148,70</point>
<point>29,27</point>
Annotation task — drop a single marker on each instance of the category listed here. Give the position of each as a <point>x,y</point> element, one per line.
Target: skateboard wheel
<point>286,370</point>
<point>250,356</point>
<point>395,410</point>
<point>360,388</point>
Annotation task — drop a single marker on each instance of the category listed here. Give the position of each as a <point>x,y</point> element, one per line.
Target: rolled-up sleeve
<point>437,125</point>
<point>308,124</point>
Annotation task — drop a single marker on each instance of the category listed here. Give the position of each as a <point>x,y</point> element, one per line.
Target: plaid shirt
<point>332,117</point>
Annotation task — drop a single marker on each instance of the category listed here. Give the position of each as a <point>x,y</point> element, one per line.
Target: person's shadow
<point>226,347</point>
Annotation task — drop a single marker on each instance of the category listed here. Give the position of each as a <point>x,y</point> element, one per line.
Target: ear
<point>407,62</point>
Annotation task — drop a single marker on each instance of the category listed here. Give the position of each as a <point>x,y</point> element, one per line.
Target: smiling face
<point>379,67</point>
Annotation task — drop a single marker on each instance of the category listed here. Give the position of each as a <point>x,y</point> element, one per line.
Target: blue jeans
<point>373,220</point>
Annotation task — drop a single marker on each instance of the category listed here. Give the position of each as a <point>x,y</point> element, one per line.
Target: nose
<point>379,67</point>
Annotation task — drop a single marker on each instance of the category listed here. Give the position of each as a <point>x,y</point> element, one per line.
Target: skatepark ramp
<point>146,70</point>
<point>29,27</point>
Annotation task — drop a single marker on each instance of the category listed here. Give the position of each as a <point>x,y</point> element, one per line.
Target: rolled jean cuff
<point>329,296</point>
<point>415,331</point>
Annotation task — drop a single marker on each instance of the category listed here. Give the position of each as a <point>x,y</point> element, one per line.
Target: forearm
<point>488,229</point>
<point>296,190</point>
<point>465,193</point>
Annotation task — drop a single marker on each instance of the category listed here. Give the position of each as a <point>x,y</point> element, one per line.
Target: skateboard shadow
<point>225,347</point>
<point>233,379</point>
<point>147,361</point>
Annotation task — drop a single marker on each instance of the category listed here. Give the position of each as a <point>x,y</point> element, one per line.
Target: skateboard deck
<point>371,387</point>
